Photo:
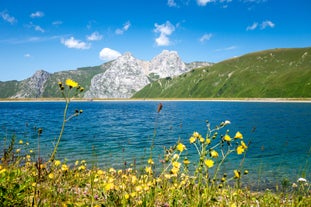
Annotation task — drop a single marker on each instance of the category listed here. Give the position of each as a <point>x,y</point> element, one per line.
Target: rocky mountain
<point>127,75</point>
<point>32,87</point>
<point>120,78</point>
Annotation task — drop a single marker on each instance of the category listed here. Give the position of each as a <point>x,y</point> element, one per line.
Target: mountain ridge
<point>119,78</point>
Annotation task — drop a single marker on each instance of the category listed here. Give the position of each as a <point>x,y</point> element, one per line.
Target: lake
<point>120,133</point>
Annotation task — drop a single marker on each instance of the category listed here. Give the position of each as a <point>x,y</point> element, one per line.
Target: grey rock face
<point>127,75</point>
<point>33,87</point>
<point>124,77</point>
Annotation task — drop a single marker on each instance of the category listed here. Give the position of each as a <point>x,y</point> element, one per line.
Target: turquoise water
<point>120,133</point>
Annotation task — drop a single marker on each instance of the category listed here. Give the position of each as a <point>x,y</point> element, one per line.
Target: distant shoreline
<point>298,100</point>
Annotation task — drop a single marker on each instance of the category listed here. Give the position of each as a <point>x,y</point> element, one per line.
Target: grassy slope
<point>272,73</point>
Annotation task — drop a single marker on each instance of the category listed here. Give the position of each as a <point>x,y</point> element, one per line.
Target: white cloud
<point>204,2</point>
<point>76,44</point>
<point>263,25</point>
<point>125,27</point>
<point>7,17</point>
<point>27,55</point>
<point>35,27</point>
<point>171,3</point>
<point>37,14</point>
<point>266,24</point>
<point>226,49</point>
<point>206,37</point>
<point>252,27</point>
<point>108,54</point>
<point>95,36</point>
<point>57,22</point>
<point>165,30</point>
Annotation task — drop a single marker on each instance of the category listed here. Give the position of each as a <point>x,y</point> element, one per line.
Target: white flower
<point>227,122</point>
<point>302,180</point>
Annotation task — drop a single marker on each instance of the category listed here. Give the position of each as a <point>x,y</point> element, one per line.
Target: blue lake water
<point>113,133</point>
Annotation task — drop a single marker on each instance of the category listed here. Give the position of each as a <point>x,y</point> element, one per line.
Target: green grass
<point>278,73</point>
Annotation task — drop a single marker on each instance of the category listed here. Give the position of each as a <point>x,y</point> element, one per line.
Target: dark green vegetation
<point>277,73</point>
<point>8,88</point>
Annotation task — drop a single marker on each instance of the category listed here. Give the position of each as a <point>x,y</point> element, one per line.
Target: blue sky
<point>56,35</point>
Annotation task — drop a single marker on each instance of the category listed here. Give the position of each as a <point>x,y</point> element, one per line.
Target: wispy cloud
<point>171,3</point>
<point>125,27</point>
<point>266,24</point>
<point>165,31</point>
<point>205,37</point>
<point>95,36</point>
<point>252,27</point>
<point>204,2</point>
<point>36,27</point>
<point>7,17</point>
<point>27,55</point>
<point>57,23</point>
<point>233,47</point>
<point>263,25</point>
<point>108,54</point>
<point>75,44</point>
<point>37,14</point>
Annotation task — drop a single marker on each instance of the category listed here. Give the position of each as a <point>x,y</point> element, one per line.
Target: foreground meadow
<point>28,180</point>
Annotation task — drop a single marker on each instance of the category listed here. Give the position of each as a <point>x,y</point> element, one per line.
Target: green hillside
<point>277,73</point>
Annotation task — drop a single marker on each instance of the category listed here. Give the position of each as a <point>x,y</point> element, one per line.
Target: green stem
<point>61,131</point>
<point>223,159</point>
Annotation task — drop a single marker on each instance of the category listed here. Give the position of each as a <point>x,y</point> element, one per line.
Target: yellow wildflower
<point>77,162</point>
<point>209,163</point>
<point>180,147</point>
<point>20,142</point>
<point>214,154</point>
<point>243,145</point>
<point>186,161</point>
<point>201,139</point>
<point>112,170</point>
<point>2,171</point>
<point>196,134</point>
<point>237,174</point>
<point>51,175</point>
<point>18,150</point>
<point>65,168</point>
<point>192,139</point>
<point>238,135</point>
<point>100,172</point>
<point>174,170</point>
<point>207,141</point>
<point>148,170</point>
<point>176,164</point>
<point>240,149</point>
<point>227,138</point>
<point>71,83</point>
<point>126,196</point>
<point>57,163</point>
<point>82,167</point>
<point>109,186</point>
<point>30,151</point>
<point>150,162</point>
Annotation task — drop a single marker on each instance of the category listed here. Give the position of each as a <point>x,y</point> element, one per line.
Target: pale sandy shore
<point>299,100</point>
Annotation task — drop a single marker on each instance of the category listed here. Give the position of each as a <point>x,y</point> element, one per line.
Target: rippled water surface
<point>117,133</point>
